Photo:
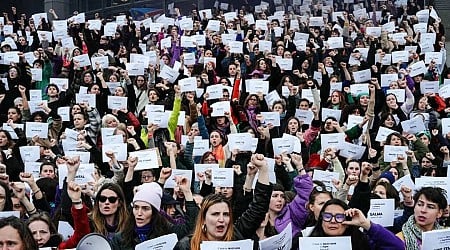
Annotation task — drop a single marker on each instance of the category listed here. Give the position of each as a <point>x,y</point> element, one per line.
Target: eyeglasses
<point>322,189</point>
<point>327,217</point>
<point>146,177</point>
<point>111,199</point>
<point>252,99</point>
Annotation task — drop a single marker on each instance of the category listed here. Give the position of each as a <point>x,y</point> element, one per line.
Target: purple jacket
<point>383,239</point>
<point>295,211</point>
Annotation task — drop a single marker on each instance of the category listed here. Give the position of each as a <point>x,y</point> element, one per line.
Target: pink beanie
<point>150,193</point>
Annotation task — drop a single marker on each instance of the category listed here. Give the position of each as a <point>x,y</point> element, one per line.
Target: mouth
<point>220,229</point>
<point>421,218</point>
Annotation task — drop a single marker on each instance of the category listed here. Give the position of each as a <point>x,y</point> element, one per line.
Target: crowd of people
<point>302,120</point>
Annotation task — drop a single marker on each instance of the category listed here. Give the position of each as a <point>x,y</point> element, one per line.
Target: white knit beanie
<point>150,193</point>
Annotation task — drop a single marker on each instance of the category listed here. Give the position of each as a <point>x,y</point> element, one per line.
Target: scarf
<point>251,113</point>
<point>142,232</point>
<point>413,234</point>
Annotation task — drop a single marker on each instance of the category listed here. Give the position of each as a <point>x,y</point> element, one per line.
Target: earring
<point>204,228</point>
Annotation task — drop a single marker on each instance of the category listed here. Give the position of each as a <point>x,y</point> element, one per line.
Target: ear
<point>309,206</point>
<point>440,213</point>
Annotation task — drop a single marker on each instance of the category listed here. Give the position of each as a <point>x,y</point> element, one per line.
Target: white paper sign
<point>414,125</point>
<point>119,150</point>
<point>332,140</point>
<point>436,239</point>
<point>392,152</point>
<point>165,242</point>
<point>328,243</point>
<point>36,128</point>
<point>200,147</point>
<point>219,108</point>
<point>221,245</point>
<point>382,211</point>
<point>326,177</point>
<point>283,240</point>
<point>30,153</point>
<point>223,177</point>
<point>170,183</point>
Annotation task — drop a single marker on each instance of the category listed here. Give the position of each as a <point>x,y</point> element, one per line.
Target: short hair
<point>433,194</point>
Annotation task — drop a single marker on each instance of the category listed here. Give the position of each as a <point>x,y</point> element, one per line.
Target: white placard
<point>399,56</point>
<point>328,243</point>
<point>404,181</point>
<point>83,60</point>
<point>36,74</point>
<point>414,125</point>
<point>332,140</point>
<point>283,240</point>
<point>159,118</point>
<point>201,168</point>
<point>165,242</point>
<point>326,177</point>
<point>282,145</point>
<point>11,131</point>
<point>240,141</point>
<point>316,22</point>
<point>305,116</point>
<point>135,69</point>
<point>188,84</point>
<point>65,229</point>
<point>213,25</point>
<point>147,159</point>
<point>119,150</point>
<point>373,31</point>
<point>326,113</point>
<point>362,76</point>
<point>220,245</point>
<point>399,93</point>
<point>383,132</point>
<point>271,117</point>
<point>103,62</point>
<point>170,182</point>
<point>335,42</point>
<point>382,211</point>
<point>357,89</point>
<point>95,24</point>
<point>386,79</point>
<point>200,147</point>
<point>64,112</point>
<point>429,87</point>
<point>256,86</point>
<point>436,239</point>
<point>30,153</point>
<point>429,181</point>
<point>36,128</point>
<point>418,68</point>
<point>219,108</point>
<point>214,91</point>
<point>223,177</point>
<point>392,152</point>
<point>352,151</point>
<point>87,98</point>
<point>117,102</point>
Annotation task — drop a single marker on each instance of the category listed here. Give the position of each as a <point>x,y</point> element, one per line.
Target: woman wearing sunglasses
<point>110,213</point>
<point>338,219</point>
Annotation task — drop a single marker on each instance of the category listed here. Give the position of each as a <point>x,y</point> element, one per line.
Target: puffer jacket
<point>295,211</point>
<point>246,226</point>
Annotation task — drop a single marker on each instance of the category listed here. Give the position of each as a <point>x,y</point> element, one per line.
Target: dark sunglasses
<point>111,199</point>
<point>329,216</point>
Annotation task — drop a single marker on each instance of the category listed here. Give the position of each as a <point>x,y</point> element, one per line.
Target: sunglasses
<point>327,217</point>
<point>111,199</point>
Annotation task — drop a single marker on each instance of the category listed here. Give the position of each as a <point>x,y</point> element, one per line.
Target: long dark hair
<point>159,226</point>
<point>8,202</point>
<point>359,239</point>
<point>25,234</point>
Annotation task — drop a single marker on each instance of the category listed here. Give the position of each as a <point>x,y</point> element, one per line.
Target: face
<point>47,172</point>
<point>278,108</point>
<point>394,173</point>
<point>217,220</point>
<point>111,123</point>
<point>252,101</point>
<point>423,102</point>
<point>140,81</point>
<point>79,121</point>
<point>328,126</point>
<point>303,105</point>
<point>335,99</point>
<point>13,73</point>
<point>425,140</point>
<point>152,96</point>
<point>87,78</point>
<point>52,91</point>
<point>319,201</point>
<point>76,109</point>
<point>389,122</point>
<point>147,177</point>
<point>10,238</point>
<point>380,191</point>
<point>293,126</point>
<point>119,91</point>
<point>364,100</point>
<point>353,169</point>
<point>215,139</point>
<point>277,201</point>
<point>391,101</point>
<point>195,130</point>
<point>395,141</point>
<point>333,228</point>
<point>426,163</point>
<point>106,207</point>
<point>40,231</point>
<point>13,115</point>
<point>426,213</point>
<point>210,159</point>
<point>232,70</point>
<point>220,120</point>
<point>95,90</point>
<point>113,78</point>
<point>227,192</point>
<point>3,139</point>
<point>142,213</point>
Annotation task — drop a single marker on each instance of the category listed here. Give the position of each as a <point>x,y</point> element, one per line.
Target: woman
<point>147,223</point>
<point>338,219</point>
<point>214,221</point>
<point>15,234</point>
<point>110,214</point>
<point>430,204</point>
<point>44,231</point>
<point>5,198</point>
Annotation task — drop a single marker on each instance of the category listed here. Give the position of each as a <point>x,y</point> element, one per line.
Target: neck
<point>272,216</point>
<point>110,219</point>
<point>426,228</point>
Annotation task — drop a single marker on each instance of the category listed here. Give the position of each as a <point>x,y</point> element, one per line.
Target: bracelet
<point>32,211</point>
<point>77,202</point>
<point>37,191</point>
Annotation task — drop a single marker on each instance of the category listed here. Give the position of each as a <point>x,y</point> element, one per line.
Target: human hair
<point>48,163</point>
<point>160,227</point>
<point>391,192</point>
<point>122,214</point>
<point>257,105</point>
<point>397,134</point>
<point>8,202</point>
<point>10,143</point>
<point>19,112</point>
<point>44,217</point>
<point>42,114</point>
<point>433,194</point>
<point>25,234</point>
<point>206,155</point>
<point>311,220</point>
<point>286,130</point>
<point>199,234</point>
<point>107,117</point>
<point>359,239</point>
